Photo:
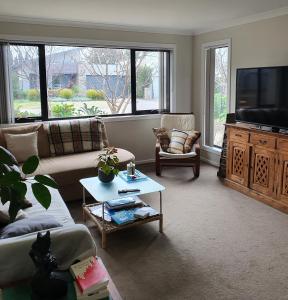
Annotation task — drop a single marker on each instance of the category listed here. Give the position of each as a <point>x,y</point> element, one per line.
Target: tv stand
<point>275,129</point>
<point>257,164</point>
<point>265,128</point>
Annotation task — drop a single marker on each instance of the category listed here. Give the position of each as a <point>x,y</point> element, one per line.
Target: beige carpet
<point>218,244</point>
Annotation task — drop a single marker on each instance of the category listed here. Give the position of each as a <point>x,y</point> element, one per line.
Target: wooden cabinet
<point>238,164</point>
<point>282,177</point>
<point>262,170</point>
<point>257,164</point>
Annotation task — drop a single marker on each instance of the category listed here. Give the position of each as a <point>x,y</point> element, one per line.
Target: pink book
<point>90,275</point>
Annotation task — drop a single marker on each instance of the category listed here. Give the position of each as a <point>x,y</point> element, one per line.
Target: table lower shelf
<point>110,227</point>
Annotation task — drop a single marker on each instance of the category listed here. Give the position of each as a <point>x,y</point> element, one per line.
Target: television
<point>262,96</point>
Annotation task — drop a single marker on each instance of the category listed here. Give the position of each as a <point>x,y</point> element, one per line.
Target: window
<point>216,93</point>
<point>50,81</point>
<point>24,80</point>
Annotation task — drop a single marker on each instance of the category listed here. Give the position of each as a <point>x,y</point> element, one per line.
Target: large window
<point>51,81</point>
<point>216,93</point>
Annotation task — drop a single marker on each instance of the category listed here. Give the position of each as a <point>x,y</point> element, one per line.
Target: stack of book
<point>91,279</point>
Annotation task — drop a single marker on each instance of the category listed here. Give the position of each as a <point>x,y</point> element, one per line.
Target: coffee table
<point>102,192</point>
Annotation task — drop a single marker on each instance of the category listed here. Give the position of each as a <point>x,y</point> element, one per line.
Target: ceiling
<point>174,16</point>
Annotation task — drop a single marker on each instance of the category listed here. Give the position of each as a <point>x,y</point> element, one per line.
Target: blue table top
<point>109,191</point>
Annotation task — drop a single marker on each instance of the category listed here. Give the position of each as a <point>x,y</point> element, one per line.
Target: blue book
<point>121,202</point>
<point>122,217</point>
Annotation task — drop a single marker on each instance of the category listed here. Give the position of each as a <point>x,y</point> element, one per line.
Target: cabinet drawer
<point>239,135</point>
<point>282,144</point>
<point>263,140</point>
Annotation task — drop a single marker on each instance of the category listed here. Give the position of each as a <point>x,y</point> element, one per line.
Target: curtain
<point>6,113</point>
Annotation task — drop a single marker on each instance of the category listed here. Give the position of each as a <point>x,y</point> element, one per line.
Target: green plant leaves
<point>46,181</point>
<point>10,178</point>
<point>14,207</point>
<point>30,165</point>
<point>20,188</point>
<point>5,194</point>
<point>7,158</point>
<point>42,194</point>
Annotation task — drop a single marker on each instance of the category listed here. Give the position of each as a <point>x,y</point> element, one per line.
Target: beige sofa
<point>67,170</point>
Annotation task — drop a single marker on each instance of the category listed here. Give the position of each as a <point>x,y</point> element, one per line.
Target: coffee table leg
<point>103,228</point>
<point>83,205</point>
<point>161,215</point>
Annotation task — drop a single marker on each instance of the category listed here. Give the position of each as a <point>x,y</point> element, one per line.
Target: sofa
<point>68,243</point>
<point>66,169</point>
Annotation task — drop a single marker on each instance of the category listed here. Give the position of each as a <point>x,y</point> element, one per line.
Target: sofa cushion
<point>29,225</point>
<point>69,169</point>
<point>43,144</point>
<point>15,144</point>
<point>76,136</point>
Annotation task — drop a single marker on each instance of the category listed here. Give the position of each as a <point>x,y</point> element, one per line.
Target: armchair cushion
<point>173,156</point>
<point>178,138</point>
<point>190,141</point>
<point>163,137</point>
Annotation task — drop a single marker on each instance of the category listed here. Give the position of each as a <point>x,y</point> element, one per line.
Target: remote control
<point>128,191</point>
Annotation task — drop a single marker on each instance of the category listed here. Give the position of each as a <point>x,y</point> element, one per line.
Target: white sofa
<point>69,243</point>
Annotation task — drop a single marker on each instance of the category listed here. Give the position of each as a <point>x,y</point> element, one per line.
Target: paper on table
<point>97,211</point>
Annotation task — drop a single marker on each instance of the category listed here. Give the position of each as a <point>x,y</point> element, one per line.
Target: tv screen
<point>262,96</point>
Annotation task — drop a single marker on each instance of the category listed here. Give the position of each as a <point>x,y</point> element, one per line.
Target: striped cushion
<point>177,141</point>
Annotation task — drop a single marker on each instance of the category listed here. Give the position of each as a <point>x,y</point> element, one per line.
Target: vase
<point>105,178</point>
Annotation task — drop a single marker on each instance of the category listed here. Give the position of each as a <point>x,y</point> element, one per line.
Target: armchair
<point>185,122</point>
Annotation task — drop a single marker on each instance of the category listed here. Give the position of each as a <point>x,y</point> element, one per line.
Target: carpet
<point>217,244</point>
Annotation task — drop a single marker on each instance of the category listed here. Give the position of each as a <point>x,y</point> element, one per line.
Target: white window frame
<point>205,90</point>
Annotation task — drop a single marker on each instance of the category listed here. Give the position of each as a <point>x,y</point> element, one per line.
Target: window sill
<point>131,118</point>
<point>214,150</point>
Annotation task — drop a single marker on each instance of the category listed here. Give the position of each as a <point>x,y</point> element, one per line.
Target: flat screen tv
<point>262,96</point>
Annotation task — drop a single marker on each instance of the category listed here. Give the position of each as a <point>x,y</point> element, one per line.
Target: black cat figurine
<point>46,283</point>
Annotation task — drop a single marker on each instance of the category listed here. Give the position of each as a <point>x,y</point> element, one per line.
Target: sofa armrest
<point>197,147</point>
<point>68,244</point>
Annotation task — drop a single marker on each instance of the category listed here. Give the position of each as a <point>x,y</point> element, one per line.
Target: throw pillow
<point>29,225</point>
<point>4,213</point>
<point>177,142</point>
<point>163,137</point>
<point>22,145</point>
<point>190,141</point>
<point>76,136</point>
<point>43,143</point>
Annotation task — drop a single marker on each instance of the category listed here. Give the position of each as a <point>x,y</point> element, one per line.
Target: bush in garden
<point>32,94</point>
<point>90,111</point>
<point>66,94</point>
<point>63,110</point>
<point>95,94</point>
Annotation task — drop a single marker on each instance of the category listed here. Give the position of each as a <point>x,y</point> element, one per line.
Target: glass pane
<point>220,94</point>
<point>24,76</point>
<point>149,84</point>
<point>83,81</point>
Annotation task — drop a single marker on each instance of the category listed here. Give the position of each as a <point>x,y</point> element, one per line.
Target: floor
<point>217,244</point>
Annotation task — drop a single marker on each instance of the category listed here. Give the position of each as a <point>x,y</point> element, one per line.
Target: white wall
<point>134,135</point>
<point>262,43</point>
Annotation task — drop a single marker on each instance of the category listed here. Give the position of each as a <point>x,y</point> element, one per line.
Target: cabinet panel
<point>262,170</point>
<point>263,140</point>
<point>282,182</point>
<point>239,135</point>
<point>238,162</point>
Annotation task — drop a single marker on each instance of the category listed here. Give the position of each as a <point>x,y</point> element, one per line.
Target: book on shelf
<point>138,176</point>
<point>144,212</point>
<point>122,217</point>
<point>89,275</point>
<point>102,294</point>
<point>124,202</point>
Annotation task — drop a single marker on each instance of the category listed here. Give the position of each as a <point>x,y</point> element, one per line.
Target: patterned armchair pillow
<point>190,140</point>
<point>76,136</point>
<point>178,139</point>
<point>162,135</point>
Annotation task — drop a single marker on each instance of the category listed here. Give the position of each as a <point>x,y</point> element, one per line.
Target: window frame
<point>134,112</point>
<point>207,116</point>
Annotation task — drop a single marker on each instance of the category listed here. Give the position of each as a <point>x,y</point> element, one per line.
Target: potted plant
<point>13,182</point>
<point>108,165</point>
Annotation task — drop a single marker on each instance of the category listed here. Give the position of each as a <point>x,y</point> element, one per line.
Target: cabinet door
<point>282,174</point>
<point>238,157</point>
<point>262,170</point>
